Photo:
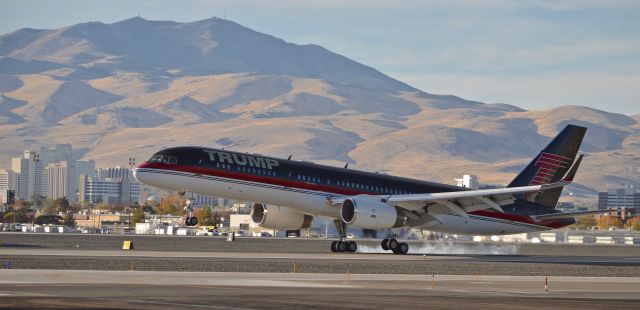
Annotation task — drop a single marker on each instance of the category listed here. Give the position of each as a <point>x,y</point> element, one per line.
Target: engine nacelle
<point>281,218</point>
<point>368,212</point>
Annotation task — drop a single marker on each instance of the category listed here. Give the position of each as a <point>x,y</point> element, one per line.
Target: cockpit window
<point>165,159</point>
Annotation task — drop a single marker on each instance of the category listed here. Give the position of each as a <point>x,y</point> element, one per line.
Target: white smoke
<point>449,247</point>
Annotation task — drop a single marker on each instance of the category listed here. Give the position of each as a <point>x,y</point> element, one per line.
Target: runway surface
<point>359,263</point>
<point>299,245</point>
<point>50,289</point>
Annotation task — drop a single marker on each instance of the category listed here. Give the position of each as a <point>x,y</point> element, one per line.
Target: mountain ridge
<point>132,87</point>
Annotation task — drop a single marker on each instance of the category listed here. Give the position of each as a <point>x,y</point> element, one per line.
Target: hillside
<point>132,87</point>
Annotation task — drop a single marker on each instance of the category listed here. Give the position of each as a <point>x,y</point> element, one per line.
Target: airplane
<point>289,194</point>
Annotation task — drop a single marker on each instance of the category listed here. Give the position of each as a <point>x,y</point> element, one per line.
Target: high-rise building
<point>8,181</point>
<point>82,167</point>
<point>60,178</point>
<point>30,169</point>
<point>617,198</point>
<point>56,154</point>
<point>86,167</point>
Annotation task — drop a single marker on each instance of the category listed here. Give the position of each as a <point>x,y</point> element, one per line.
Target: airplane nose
<point>138,173</point>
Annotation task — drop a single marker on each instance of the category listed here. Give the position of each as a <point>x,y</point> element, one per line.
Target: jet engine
<point>281,218</point>
<point>368,212</point>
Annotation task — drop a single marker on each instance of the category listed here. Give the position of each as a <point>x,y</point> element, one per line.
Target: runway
<point>93,272</point>
<point>358,263</point>
<point>38,289</point>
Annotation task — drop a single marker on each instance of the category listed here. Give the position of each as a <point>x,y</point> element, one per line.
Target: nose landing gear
<point>190,220</point>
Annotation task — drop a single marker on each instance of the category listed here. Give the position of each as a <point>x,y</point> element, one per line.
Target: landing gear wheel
<point>352,246</point>
<point>403,248</point>
<point>186,221</point>
<point>385,244</point>
<point>334,246</point>
<point>193,221</point>
<point>341,246</point>
<point>393,245</point>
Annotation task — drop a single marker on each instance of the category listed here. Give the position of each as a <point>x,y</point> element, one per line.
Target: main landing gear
<point>395,246</point>
<point>343,245</point>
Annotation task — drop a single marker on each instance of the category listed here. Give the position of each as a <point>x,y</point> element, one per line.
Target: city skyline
<point>53,172</point>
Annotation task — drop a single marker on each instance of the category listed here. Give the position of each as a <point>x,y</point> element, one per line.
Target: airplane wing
<point>569,214</point>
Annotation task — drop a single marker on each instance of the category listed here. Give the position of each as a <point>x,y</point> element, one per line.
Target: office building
<point>81,167</point>
<point>60,181</point>
<point>8,181</point>
<point>114,173</point>
<point>108,190</point>
<point>616,198</point>
<point>30,169</point>
<point>204,200</point>
<point>58,153</point>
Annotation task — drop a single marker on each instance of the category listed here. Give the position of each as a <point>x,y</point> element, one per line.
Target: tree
<point>607,221</point>
<point>22,212</point>
<point>69,220</point>
<point>148,209</point>
<point>48,219</point>
<point>206,217</point>
<point>171,204</point>
<point>585,222</point>
<point>76,207</point>
<point>38,200</point>
<point>62,205</point>
<point>634,223</point>
<point>138,217</point>
<point>49,207</point>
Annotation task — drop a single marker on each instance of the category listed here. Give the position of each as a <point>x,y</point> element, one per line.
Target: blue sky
<point>533,54</point>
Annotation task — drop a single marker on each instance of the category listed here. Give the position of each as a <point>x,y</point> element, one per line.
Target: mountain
<point>132,87</point>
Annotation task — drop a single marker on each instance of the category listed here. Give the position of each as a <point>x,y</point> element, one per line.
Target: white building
<point>8,181</point>
<point>114,173</point>
<point>109,190</point>
<point>30,169</point>
<point>60,181</point>
<point>469,181</point>
<point>241,222</point>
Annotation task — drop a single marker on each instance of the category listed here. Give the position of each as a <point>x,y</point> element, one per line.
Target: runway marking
<point>176,304</point>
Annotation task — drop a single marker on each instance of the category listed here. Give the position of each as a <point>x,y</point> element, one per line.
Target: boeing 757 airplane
<point>288,194</point>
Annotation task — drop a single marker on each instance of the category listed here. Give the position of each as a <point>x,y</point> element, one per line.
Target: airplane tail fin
<point>552,165</point>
